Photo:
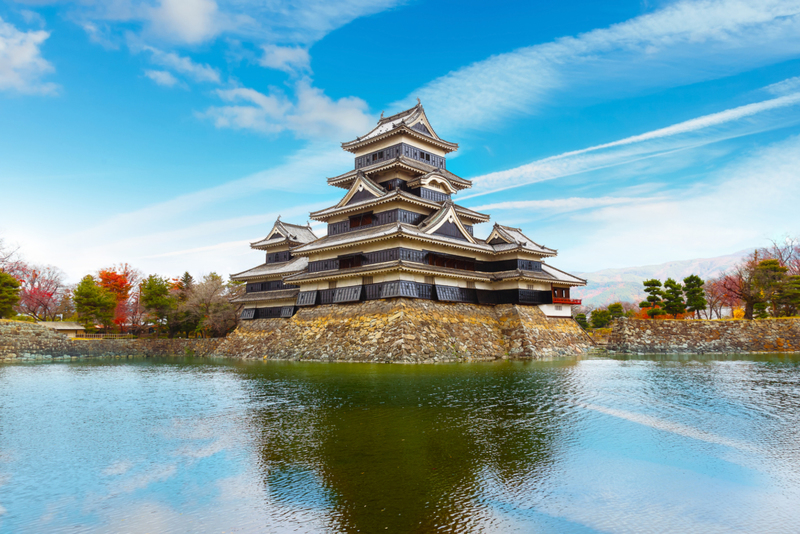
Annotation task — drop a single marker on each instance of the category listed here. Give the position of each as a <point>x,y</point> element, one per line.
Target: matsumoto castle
<point>397,232</point>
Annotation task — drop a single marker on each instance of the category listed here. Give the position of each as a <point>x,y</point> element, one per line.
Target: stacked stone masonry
<point>408,330</point>
<point>21,341</point>
<point>643,336</point>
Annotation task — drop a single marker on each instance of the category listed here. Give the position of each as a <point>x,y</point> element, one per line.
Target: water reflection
<point>406,449</point>
<point>681,443</point>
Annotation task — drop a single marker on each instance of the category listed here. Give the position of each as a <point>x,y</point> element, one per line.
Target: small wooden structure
<point>64,327</point>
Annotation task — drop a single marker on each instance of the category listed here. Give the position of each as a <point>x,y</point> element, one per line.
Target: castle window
<point>332,284</point>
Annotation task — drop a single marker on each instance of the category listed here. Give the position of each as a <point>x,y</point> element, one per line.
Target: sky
<point>169,134</point>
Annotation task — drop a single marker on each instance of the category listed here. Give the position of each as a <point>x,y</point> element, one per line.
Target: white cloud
<point>181,64</point>
<point>21,63</point>
<point>749,201</point>
<point>792,85</point>
<point>162,77</point>
<point>189,21</point>
<point>311,115</point>
<point>559,204</point>
<point>599,156</point>
<point>683,43</point>
<point>289,59</point>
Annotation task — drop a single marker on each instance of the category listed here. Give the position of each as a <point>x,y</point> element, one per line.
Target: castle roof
<point>397,194</point>
<point>285,233</point>
<point>346,180</point>
<point>509,238</point>
<point>272,270</point>
<point>412,122</point>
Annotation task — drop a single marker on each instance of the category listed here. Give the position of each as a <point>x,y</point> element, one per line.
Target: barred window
<point>332,284</point>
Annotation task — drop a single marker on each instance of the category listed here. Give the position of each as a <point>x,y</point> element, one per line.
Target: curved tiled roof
<point>402,121</point>
<point>273,269</point>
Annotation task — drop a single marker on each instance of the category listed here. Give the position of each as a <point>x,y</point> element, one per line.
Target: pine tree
<point>653,302</point>
<point>93,303</point>
<point>695,294</point>
<point>616,310</point>
<point>581,320</point>
<point>9,294</point>
<point>673,298</point>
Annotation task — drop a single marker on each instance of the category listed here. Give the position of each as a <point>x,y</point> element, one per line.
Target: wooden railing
<point>104,336</point>
<point>571,302</point>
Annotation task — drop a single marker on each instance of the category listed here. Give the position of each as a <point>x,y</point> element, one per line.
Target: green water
<point>664,444</point>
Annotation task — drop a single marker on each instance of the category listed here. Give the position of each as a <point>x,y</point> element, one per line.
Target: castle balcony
<point>570,302</point>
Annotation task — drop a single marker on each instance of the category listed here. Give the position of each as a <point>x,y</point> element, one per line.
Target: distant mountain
<point>612,285</point>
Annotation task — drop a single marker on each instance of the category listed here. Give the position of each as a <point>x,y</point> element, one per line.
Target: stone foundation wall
<point>21,341</point>
<point>730,337</point>
<point>407,330</point>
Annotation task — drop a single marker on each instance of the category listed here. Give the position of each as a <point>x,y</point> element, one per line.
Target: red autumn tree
<point>41,290</point>
<point>119,280</point>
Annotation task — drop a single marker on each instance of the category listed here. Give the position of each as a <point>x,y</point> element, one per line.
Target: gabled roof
<point>61,325</point>
<point>272,270</point>
<point>506,238</point>
<point>346,180</point>
<point>285,233</point>
<point>362,189</point>
<point>399,195</point>
<point>436,178</point>
<point>412,121</point>
<point>447,215</point>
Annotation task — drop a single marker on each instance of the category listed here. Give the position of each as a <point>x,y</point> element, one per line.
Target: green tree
<point>600,318</point>
<point>157,299</point>
<point>673,298</point>
<point>581,320</point>
<point>616,310</point>
<point>9,294</point>
<point>93,303</point>
<point>693,288</point>
<point>770,280</point>
<point>653,289</point>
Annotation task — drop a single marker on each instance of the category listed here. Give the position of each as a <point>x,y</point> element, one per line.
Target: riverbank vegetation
<point>119,299</point>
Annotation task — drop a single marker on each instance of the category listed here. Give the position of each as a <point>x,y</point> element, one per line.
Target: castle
<point>397,233</point>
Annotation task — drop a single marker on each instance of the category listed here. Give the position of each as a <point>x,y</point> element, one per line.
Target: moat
<point>669,444</point>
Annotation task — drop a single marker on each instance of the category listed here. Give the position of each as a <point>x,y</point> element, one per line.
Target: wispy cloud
<point>162,77</point>
<point>22,66</point>
<point>792,85</point>
<point>182,65</point>
<point>748,201</point>
<point>311,115</point>
<point>291,59</point>
<point>683,43</point>
<point>600,156</point>
<point>561,204</point>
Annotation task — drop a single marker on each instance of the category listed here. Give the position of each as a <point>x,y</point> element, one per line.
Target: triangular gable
<point>362,189</point>
<point>445,222</point>
<point>498,236</point>
<point>421,124</point>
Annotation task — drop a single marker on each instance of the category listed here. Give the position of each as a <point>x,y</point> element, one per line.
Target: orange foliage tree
<point>119,280</point>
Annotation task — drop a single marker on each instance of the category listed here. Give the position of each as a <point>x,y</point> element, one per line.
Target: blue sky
<point>170,133</point>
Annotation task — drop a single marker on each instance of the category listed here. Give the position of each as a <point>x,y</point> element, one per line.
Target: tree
<point>653,302</point>
<point>581,320</point>
<point>10,261</point>
<point>600,318</point>
<point>120,280</point>
<point>695,294</point>
<point>210,302</point>
<point>41,289</point>
<point>156,299</point>
<point>616,311</point>
<point>93,303</point>
<point>769,280</point>
<point>9,294</point>
<point>740,284</point>
<point>673,298</point>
